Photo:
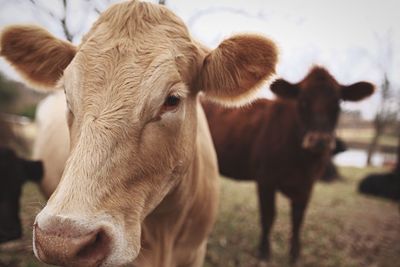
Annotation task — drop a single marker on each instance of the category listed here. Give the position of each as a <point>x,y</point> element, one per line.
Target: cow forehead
<point>114,84</point>
<point>112,68</point>
<point>130,44</point>
<point>143,24</point>
<point>320,83</point>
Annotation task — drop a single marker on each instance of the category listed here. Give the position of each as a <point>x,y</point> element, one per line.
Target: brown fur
<point>256,63</point>
<point>140,174</point>
<point>36,54</point>
<point>265,142</point>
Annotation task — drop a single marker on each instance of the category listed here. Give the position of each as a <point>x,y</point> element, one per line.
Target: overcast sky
<point>350,37</point>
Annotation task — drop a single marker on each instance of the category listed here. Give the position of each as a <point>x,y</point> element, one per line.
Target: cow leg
<point>298,206</point>
<point>266,198</point>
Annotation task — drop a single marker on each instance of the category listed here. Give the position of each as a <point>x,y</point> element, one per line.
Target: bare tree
<point>64,18</point>
<point>220,9</point>
<point>389,109</point>
<point>162,2</point>
<point>380,119</point>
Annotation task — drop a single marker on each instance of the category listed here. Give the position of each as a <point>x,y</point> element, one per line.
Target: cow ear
<point>33,170</point>
<point>357,91</point>
<point>285,89</point>
<point>38,56</point>
<point>237,67</point>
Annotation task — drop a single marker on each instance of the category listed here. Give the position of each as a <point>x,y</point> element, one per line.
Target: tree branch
<point>42,8</point>
<point>64,25</point>
<point>218,9</point>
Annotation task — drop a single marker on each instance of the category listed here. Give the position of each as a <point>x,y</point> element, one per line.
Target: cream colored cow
<point>52,143</point>
<point>140,183</point>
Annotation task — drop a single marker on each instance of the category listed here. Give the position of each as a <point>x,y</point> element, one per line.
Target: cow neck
<point>164,226</point>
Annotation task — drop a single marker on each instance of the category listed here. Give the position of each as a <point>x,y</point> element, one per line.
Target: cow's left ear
<point>357,91</point>
<point>235,69</point>
<point>33,170</point>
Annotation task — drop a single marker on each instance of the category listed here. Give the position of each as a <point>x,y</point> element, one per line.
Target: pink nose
<point>67,244</point>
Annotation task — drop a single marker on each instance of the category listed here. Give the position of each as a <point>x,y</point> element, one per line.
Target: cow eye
<point>171,102</point>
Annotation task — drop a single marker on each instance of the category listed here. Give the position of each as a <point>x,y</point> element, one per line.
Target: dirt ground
<point>342,228</point>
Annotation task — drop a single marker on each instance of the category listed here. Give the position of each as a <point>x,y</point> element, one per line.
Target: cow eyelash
<point>171,102</point>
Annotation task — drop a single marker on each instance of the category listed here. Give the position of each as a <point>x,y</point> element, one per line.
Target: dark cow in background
<point>283,144</point>
<point>14,172</point>
<point>386,185</point>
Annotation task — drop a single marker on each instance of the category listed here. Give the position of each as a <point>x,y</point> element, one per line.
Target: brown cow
<point>140,182</point>
<point>284,144</point>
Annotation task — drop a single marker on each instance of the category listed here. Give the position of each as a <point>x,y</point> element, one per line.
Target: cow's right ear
<point>285,89</point>
<point>37,55</point>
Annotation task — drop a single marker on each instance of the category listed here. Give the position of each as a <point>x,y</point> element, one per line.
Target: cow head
<point>318,98</point>
<point>131,88</point>
<point>14,172</point>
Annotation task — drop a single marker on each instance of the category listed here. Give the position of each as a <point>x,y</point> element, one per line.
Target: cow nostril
<point>95,249</point>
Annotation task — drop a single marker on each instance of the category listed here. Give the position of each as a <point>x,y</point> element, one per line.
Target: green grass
<point>342,228</point>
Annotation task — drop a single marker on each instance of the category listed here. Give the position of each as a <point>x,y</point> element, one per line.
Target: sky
<point>354,39</point>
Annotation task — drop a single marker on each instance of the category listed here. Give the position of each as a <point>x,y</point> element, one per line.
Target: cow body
<point>267,148</point>
<point>51,145</point>
<point>140,182</point>
<point>284,144</point>
<point>262,146</point>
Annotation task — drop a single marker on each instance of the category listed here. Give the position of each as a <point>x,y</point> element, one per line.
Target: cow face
<point>131,88</point>
<point>14,172</point>
<point>318,104</point>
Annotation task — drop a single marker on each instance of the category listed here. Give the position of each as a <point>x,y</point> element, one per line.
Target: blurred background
<point>354,39</point>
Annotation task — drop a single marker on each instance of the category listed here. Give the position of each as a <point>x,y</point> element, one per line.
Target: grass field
<point>342,228</point>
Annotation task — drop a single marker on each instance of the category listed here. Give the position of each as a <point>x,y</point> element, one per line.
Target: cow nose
<point>67,244</point>
<point>321,144</point>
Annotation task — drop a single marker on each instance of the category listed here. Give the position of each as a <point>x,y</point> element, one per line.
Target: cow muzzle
<point>316,141</point>
<point>84,240</point>
<point>64,242</point>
